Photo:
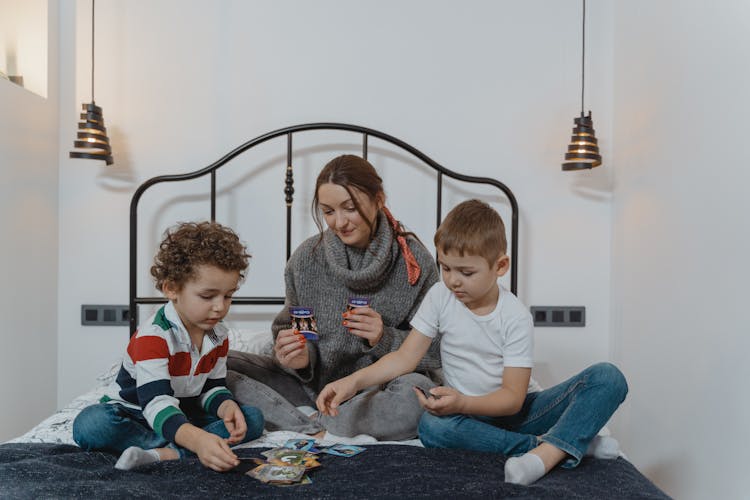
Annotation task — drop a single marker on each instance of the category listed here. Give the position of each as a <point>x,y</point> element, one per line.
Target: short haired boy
<point>489,402</point>
<point>170,397</point>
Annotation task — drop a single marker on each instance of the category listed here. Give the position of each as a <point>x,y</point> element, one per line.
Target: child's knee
<point>432,430</point>
<point>90,425</point>
<point>611,376</point>
<point>254,421</point>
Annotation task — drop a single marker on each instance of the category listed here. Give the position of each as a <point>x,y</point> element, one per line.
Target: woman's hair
<point>350,171</point>
<point>189,245</point>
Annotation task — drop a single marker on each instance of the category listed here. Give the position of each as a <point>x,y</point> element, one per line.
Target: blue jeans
<point>114,427</point>
<point>566,416</point>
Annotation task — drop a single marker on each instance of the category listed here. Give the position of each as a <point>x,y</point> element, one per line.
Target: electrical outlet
<point>559,315</point>
<point>103,315</point>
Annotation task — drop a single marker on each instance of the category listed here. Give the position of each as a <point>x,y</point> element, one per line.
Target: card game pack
<point>303,320</point>
<point>355,302</point>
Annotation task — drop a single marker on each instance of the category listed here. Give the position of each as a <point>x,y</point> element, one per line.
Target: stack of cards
<point>288,465</point>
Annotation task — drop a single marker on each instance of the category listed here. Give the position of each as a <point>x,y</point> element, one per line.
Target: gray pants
<point>388,413</point>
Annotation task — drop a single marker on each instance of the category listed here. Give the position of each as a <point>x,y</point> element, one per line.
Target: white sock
<point>524,470</point>
<point>134,457</point>
<point>603,447</point>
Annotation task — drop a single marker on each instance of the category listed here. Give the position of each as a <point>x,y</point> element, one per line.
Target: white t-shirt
<point>475,349</point>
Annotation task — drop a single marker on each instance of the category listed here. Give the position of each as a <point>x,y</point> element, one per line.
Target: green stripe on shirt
<point>163,416</point>
<point>207,403</point>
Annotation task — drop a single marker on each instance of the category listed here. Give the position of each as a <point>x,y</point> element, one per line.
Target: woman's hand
<point>364,322</point>
<point>290,349</point>
<point>443,400</point>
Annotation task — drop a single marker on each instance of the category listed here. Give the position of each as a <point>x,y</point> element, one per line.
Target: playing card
<point>355,302</point>
<point>343,450</point>
<point>271,473</point>
<point>303,320</point>
<point>302,444</point>
<point>286,455</point>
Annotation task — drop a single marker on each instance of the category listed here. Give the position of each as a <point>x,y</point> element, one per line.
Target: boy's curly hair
<point>191,244</point>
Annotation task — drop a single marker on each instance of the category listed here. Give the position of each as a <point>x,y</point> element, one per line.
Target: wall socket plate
<point>559,315</point>
<point>105,315</point>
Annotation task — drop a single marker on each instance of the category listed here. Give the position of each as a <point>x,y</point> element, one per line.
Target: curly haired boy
<point>170,398</point>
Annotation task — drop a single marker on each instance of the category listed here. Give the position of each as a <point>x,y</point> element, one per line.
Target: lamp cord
<point>583,52</point>
<point>93,4</point>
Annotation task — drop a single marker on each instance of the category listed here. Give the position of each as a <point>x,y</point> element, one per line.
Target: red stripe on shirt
<point>208,362</point>
<point>179,364</point>
<point>147,347</point>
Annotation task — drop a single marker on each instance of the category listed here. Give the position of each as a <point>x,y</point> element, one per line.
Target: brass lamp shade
<point>92,142</point>
<point>583,150</point>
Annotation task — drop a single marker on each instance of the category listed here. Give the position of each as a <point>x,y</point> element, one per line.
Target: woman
<point>364,253</point>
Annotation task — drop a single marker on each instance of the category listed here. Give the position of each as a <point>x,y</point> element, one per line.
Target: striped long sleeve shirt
<point>164,376</point>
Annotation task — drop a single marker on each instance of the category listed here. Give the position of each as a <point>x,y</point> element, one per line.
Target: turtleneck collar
<point>362,267</point>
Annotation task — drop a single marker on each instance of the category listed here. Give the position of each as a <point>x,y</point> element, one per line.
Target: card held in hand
<point>355,302</point>
<point>303,320</point>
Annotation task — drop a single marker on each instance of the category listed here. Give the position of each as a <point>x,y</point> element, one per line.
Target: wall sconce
<point>583,150</point>
<point>92,142</point>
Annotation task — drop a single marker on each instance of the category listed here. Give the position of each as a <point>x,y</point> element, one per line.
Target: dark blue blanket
<point>381,471</point>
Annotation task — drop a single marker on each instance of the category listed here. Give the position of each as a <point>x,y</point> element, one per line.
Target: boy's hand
<point>334,394</point>
<point>234,420</point>
<point>449,401</point>
<point>364,322</point>
<point>214,452</point>
<point>290,349</point>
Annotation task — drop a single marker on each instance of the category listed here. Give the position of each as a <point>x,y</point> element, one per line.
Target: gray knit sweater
<point>324,274</point>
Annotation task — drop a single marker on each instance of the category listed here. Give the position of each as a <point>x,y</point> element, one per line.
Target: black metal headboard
<point>289,192</point>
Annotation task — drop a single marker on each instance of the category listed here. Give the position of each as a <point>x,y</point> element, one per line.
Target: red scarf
<point>412,266</point>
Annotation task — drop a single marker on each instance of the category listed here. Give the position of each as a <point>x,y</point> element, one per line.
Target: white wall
<point>28,218</point>
<point>681,242</point>
<point>487,88</point>
<point>24,42</point>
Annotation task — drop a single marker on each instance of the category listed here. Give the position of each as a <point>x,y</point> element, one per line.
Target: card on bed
<point>302,444</point>
<point>284,474</point>
<point>343,450</point>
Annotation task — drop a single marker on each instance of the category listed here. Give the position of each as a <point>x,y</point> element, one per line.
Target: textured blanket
<point>36,470</point>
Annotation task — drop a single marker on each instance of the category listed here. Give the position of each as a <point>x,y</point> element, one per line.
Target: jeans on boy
<point>567,416</point>
<point>115,427</point>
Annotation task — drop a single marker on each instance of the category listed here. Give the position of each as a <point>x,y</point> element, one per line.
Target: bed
<point>45,463</point>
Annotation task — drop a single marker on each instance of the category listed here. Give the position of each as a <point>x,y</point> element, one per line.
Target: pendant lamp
<point>92,142</point>
<point>583,150</point>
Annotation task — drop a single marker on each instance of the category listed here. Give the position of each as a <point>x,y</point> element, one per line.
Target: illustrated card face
<point>271,473</point>
<point>303,320</point>
<point>355,302</point>
<point>286,455</point>
<point>301,444</point>
<point>343,450</point>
